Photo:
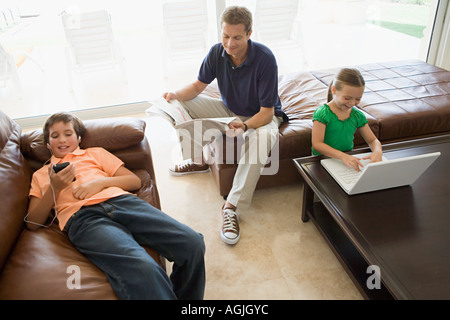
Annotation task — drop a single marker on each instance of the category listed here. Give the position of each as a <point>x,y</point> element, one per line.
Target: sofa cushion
<point>46,254</point>
<point>15,178</point>
<point>111,135</point>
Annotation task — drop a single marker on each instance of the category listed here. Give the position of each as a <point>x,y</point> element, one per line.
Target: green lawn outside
<point>410,19</point>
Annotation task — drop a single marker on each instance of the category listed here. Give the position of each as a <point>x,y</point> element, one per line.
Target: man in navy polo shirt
<point>247,77</point>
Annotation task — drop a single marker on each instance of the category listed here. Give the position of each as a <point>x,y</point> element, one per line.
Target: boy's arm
<point>39,208</point>
<point>123,178</point>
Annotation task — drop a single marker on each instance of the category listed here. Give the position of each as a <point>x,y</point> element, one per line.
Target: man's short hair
<point>238,15</point>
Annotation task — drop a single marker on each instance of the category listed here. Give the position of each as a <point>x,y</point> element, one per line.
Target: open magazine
<point>175,113</point>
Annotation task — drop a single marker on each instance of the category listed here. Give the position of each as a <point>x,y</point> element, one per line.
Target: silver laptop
<point>379,175</point>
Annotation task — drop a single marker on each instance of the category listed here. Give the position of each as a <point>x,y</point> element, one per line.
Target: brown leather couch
<point>40,264</point>
<point>403,100</point>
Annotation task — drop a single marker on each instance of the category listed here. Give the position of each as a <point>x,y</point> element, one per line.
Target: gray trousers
<point>254,150</point>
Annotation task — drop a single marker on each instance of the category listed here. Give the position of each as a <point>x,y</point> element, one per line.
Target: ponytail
<point>330,93</point>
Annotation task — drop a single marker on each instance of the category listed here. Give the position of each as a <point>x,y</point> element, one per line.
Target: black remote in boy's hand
<point>59,166</point>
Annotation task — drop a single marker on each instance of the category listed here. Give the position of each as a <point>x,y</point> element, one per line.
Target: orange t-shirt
<point>90,164</point>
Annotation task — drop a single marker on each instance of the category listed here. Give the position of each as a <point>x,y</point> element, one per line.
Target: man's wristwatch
<point>245,127</point>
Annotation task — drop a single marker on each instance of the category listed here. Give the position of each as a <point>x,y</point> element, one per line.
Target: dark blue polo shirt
<point>247,87</point>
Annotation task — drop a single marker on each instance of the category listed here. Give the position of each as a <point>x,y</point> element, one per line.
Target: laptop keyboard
<point>349,175</point>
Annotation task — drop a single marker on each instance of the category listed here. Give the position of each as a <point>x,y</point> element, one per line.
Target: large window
<point>322,34</point>
<point>347,32</point>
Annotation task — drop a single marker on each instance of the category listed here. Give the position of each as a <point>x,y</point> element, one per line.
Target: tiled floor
<point>277,257</point>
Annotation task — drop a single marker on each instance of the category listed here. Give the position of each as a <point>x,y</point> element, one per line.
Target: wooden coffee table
<point>404,233</point>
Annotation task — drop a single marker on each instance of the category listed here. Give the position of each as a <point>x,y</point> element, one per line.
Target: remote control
<point>59,166</point>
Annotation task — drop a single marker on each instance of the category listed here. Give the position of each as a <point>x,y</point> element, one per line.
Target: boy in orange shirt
<point>108,224</point>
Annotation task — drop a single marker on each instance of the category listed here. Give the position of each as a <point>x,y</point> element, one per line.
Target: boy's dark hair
<point>236,15</point>
<point>65,117</point>
<point>346,76</point>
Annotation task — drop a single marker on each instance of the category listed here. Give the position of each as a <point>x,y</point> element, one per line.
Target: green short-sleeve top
<point>339,134</point>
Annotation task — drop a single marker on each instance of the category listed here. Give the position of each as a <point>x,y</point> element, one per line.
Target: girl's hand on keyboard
<point>352,162</point>
<point>376,156</point>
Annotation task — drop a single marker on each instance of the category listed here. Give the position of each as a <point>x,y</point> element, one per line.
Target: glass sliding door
<point>335,33</point>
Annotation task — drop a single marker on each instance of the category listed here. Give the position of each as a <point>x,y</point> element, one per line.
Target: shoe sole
<point>228,240</point>
<point>177,174</point>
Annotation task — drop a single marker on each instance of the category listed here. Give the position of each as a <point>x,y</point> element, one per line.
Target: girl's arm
<point>123,178</point>
<point>373,142</point>
<point>318,136</point>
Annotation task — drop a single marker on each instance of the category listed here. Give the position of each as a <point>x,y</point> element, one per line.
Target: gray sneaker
<point>187,167</point>
<point>230,233</point>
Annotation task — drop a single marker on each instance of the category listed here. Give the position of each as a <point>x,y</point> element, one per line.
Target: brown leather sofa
<point>403,100</point>
<point>43,264</point>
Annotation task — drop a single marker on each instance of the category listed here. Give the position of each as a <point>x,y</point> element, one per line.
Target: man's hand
<point>187,93</point>
<point>237,127</point>
<point>170,96</point>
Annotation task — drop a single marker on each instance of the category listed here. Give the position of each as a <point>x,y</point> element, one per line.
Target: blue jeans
<point>110,234</point>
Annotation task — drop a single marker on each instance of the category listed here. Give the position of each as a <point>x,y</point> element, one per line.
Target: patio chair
<point>91,44</point>
<point>8,70</point>
<point>9,66</point>
<point>277,25</point>
<point>186,34</point>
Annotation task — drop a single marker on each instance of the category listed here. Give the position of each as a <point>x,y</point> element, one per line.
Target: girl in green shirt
<point>335,123</point>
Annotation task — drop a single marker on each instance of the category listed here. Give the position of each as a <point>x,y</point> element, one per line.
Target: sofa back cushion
<point>15,178</point>
<point>111,134</point>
